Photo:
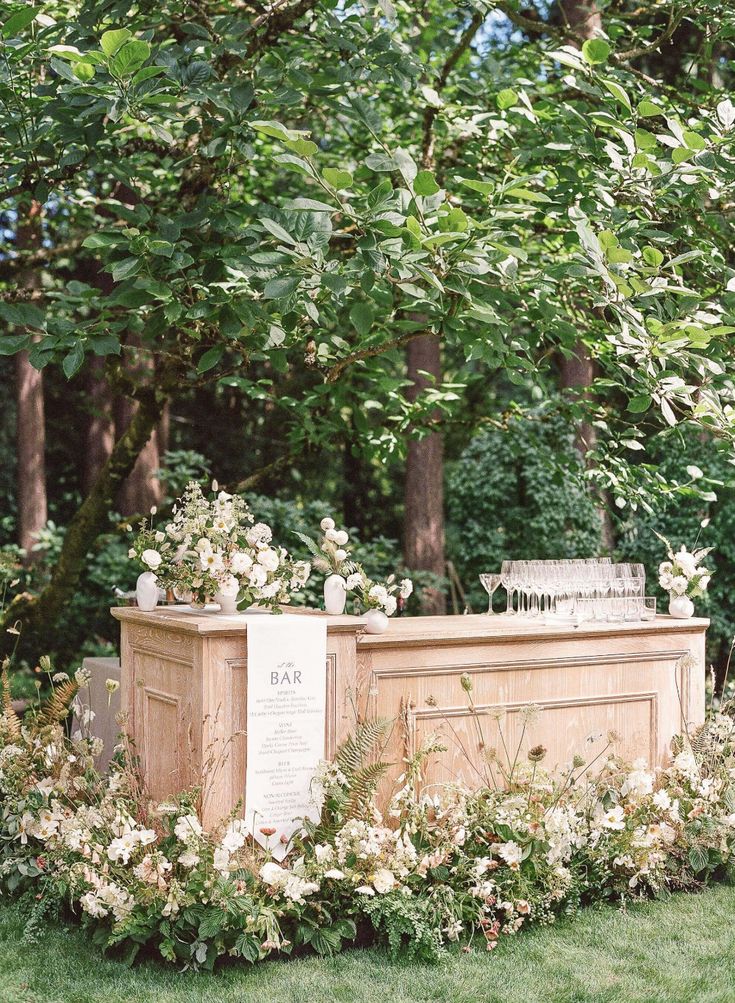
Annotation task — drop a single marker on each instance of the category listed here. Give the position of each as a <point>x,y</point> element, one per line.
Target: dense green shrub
<point>517,495</point>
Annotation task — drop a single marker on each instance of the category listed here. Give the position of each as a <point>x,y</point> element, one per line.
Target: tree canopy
<point>281,198</point>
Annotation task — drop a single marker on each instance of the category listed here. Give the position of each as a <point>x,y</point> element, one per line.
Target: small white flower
<point>327,524</point>
<point>273,875</point>
<point>511,853</point>
<point>269,559</point>
<point>383,881</point>
<point>340,555</point>
<point>331,535</point>
<point>334,873</point>
<point>679,585</point>
<point>614,818</point>
<point>405,588</point>
<point>189,859</point>
<point>365,890</point>
<point>187,828</point>
<point>703,582</point>
<point>152,558</point>
<point>341,538</point>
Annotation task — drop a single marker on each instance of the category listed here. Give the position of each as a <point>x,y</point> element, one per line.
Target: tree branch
<point>427,146</point>
<point>335,371</point>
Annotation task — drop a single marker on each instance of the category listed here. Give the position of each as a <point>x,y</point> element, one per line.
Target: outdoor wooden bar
<point>184,689</point>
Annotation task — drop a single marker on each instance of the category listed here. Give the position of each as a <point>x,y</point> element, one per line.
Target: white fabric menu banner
<point>286,717</point>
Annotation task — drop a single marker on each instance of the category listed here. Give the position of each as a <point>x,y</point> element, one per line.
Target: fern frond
<point>58,704</point>
<point>10,728</point>
<point>363,786</point>
<point>353,753</point>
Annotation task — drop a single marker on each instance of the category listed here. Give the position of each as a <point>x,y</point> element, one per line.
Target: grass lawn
<point>657,952</point>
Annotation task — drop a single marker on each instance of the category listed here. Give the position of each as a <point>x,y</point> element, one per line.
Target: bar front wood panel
<point>184,688</point>
<point>184,691</point>
<point>643,682</point>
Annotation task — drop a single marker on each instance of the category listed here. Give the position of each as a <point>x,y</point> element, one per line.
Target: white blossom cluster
<point>683,575</point>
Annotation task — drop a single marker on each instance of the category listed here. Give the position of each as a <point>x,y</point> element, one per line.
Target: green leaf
<point>125,268</point>
<point>337,178</point>
<point>281,286</point>
<point>652,256</point>
<point>647,109</point>
<point>425,184</point>
<point>112,40</point>
<point>303,147</point>
<point>617,92</point>
<point>362,316</point>
<point>527,195</point>
<point>595,50</point>
<point>694,141</point>
<point>381,162</point>
<point>22,314</point>
<point>681,154</point>
<point>83,71</point>
<point>95,240</point>
<point>277,230</point>
<point>129,58</point>
<point>698,858</point>
<point>12,343</point>
<point>312,205</point>
<point>645,140</point>
<point>210,358</point>
<point>639,404</point>
<point>18,21</point>
<point>72,362</point>
<point>506,98</point>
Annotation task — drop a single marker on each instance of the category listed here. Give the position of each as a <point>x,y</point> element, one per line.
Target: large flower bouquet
<point>212,546</point>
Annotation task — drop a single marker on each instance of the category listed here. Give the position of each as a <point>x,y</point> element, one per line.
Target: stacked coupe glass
<point>594,589</point>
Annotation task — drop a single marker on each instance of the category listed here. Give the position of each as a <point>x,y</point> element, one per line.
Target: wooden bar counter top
<point>184,690</point>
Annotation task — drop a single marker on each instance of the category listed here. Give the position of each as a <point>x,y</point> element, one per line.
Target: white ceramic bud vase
<point>376,622</point>
<point>227,603</point>
<point>146,591</point>
<point>335,594</point>
<point>681,607</point>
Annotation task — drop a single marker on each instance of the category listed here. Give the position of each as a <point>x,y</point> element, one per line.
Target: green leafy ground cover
<point>671,951</point>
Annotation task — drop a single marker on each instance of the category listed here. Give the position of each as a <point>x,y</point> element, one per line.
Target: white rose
<point>341,538</point>
<point>390,605</point>
<point>383,881</point>
<point>327,524</point>
<point>340,555</point>
<point>273,875</point>
<point>268,558</point>
<point>152,558</point>
<point>241,563</point>
<point>687,563</point>
<point>258,576</point>
<point>229,586</point>
<point>679,585</point>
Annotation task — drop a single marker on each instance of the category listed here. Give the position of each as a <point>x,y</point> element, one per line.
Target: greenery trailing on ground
<point>451,865</point>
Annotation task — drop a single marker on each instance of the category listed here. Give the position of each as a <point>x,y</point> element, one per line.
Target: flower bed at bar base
<point>441,866</point>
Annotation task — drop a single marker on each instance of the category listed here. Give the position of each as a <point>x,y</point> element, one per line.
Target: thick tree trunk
<point>30,418</point>
<point>577,372</point>
<point>424,492</point>
<point>38,616</point>
<point>100,436</point>
<point>142,488</point>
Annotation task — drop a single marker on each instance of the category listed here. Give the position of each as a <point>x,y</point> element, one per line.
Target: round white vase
<point>227,604</point>
<point>146,591</point>
<point>335,594</point>
<point>681,607</point>
<point>376,622</point>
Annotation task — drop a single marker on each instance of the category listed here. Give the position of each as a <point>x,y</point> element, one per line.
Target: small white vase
<point>376,622</point>
<point>227,604</point>
<point>335,594</point>
<point>146,591</point>
<point>681,607</point>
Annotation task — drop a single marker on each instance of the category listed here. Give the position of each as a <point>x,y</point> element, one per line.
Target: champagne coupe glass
<point>490,584</point>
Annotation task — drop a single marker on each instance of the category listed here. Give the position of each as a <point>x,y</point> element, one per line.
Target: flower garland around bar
<point>442,866</point>
<point>212,545</point>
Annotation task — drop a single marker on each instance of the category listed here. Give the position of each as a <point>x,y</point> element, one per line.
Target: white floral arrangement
<point>212,545</point>
<point>683,573</point>
<point>332,556</point>
<point>446,863</point>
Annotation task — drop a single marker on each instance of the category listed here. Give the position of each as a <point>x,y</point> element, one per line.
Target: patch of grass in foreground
<point>658,952</point>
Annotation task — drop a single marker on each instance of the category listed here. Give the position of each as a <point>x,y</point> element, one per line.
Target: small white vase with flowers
<point>684,578</point>
<point>344,576</point>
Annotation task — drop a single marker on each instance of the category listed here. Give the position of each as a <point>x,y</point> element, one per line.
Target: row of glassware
<point>592,589</point>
